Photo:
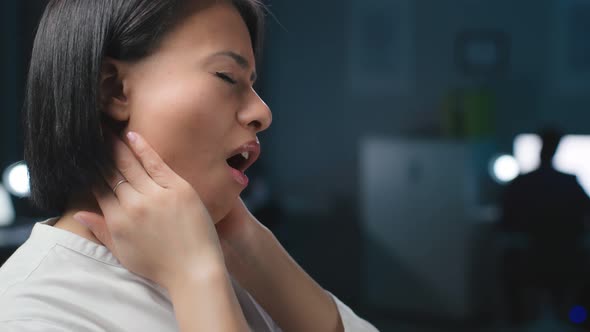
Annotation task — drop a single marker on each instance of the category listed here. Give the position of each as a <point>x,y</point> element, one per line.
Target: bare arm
<point>264,268</point>
<point>158,227</point>
<point>205,301</point>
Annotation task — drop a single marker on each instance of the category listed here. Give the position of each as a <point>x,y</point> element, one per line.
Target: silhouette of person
<point>548,207</point>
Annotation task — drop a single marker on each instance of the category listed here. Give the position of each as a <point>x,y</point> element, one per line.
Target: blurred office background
<point>397,126</point>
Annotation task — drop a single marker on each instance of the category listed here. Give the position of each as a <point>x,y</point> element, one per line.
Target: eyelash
<point>226,78</point>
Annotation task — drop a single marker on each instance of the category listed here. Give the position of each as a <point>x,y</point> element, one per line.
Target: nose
<point>256,114</point>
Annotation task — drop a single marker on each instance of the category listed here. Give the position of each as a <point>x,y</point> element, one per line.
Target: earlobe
<point>113,94</point>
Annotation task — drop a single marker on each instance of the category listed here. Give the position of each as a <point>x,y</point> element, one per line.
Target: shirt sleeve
<point>28,326</point>
<point>350,321</point>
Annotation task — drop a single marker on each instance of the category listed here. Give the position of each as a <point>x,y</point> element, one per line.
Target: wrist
<point>248,240</point>
<point>196,275</point>
<point>245,255</point>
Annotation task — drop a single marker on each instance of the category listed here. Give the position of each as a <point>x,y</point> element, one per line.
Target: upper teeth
<point>246,155</point>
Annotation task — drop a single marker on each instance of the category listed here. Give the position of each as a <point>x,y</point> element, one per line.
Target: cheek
<point>178,118</point>
<point>188,124</point>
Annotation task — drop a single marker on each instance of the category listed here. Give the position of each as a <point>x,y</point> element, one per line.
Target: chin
<point>218,196</point>
<point>221,208</point>
<point>218,215</point>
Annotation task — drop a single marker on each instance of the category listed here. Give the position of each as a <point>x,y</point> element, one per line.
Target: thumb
<point>97,225</point>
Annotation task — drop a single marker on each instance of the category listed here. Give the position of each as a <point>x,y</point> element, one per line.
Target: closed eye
<point>226,77</point>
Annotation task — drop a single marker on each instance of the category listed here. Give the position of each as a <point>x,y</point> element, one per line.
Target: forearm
<point>205,301</point>
<point>291,297</point>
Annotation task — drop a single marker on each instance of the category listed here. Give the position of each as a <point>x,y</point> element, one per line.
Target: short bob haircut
<point>64,143</point>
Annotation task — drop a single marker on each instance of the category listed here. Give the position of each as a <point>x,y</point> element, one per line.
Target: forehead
<point>217,26</point>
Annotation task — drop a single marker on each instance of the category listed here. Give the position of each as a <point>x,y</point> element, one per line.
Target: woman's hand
<point>238,232</point>
<point>238,225</point>
<point>155,222</point>
<point>156,225</point>
<point>264,268</point>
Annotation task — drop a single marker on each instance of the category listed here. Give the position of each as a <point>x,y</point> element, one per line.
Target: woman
<point>174,79</point>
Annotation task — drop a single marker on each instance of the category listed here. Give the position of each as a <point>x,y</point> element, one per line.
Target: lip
<point>252,147</point>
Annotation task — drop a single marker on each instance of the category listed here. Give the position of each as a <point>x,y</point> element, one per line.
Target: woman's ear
<point>113,90</point>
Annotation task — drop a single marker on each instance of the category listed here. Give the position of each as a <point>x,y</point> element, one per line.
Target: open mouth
<point>240,161</point>
<point>244,156</point>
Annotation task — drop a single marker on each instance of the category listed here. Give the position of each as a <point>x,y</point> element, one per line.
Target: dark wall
<point>19,23</point>
<point>320,112</point>
<point>10,82</point>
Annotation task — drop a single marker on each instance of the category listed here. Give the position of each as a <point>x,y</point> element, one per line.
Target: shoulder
<point>19,291</point>
<point>58,281</point>
<point>67,290</point>
<point>21,265</point>
<point>566,179</point>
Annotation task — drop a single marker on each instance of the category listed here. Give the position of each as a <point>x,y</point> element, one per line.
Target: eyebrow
<point>240,60</point>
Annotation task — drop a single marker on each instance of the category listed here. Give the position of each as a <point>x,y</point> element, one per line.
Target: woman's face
<point>194,103</point>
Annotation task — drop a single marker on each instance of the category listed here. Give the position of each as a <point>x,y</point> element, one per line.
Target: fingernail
<point>132,137</point>
<point>81,220</point>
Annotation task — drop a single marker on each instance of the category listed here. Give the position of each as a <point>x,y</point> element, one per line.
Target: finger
<point>119,187</point>
<point>130,168</point>
<point>112,209</point>
<point>115,182</point>
<point>98,226</point>
<point>151,161</point>
<point>107,201</point>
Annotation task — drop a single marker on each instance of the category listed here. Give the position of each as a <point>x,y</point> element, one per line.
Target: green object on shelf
<point>469,113</point>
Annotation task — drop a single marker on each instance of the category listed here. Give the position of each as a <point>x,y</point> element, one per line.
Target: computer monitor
<point>573,156</point>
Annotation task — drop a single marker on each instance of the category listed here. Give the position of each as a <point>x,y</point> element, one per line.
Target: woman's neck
<point>85,202</point>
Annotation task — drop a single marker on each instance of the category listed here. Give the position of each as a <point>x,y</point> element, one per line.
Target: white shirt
<point>59,281</point>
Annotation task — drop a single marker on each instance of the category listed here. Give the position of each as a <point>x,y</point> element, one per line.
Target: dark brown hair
<point>64,145</point>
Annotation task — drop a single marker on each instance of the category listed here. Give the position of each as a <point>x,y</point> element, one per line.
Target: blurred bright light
<point>6,209</point>
<point>505,169</point>
<point>16,179</point>
<point>573,156</point>
<point>527,149</point>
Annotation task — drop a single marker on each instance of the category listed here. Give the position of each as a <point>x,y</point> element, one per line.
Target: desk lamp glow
<point>504,169</point>
<point>16,179</point>
<point>16,182</point>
